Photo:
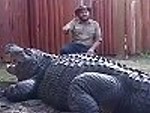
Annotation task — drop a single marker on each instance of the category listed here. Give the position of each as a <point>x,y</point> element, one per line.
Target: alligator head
<point>23,61</point>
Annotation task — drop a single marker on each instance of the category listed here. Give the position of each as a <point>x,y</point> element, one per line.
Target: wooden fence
<point>38,23</point>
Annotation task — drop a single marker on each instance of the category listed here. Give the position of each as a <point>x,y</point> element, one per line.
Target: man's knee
<point>68,49</point>
<point>65,50</point>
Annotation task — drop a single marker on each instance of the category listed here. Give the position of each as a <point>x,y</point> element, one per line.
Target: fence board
<point>146,24</point>
<point>38,23</point>
<point>14,23</point>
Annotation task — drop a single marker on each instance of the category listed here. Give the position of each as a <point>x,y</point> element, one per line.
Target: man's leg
<point>73,48</point>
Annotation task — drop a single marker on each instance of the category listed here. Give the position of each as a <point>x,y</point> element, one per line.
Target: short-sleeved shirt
<point>85,33</point>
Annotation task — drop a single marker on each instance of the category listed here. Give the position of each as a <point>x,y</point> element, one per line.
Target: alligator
<point>78,83</point>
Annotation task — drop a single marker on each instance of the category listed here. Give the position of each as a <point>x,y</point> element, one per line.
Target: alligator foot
<point>21,91</point>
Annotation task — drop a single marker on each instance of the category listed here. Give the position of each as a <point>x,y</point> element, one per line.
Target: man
<point>86,33</point>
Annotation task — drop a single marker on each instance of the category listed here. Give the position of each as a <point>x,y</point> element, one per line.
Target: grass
<point>6,79</point>
<point>4,76</point>
<point>141,62</point>
<point>145,55</point>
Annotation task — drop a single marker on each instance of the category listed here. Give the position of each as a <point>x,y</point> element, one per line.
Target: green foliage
<point>145,55</point>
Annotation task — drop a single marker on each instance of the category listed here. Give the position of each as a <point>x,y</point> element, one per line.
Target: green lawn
<point>141,63</point>
<point>4,76</point>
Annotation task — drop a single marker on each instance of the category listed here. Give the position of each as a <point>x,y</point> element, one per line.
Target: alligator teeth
<point>10,65</point>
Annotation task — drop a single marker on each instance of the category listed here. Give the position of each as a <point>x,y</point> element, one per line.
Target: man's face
<point>84,15</point>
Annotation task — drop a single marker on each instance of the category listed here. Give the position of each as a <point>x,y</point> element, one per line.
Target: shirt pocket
<point>78,29</point>
<point>90,29</point>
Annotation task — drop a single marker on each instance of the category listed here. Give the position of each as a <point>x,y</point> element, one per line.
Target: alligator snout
<point>12,49</point>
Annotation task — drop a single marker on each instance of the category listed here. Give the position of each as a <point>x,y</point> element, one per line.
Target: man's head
<point>83,12</point>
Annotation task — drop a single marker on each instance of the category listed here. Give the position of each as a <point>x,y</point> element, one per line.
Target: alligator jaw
<point>10,65</point>
<point>12,48</point>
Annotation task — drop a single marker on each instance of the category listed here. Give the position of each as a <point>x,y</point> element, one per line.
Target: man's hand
<point>66,29</point>
<point>91,51</point>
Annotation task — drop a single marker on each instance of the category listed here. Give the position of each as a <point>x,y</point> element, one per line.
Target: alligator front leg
<point>94,93</point>
<point>21,91</point>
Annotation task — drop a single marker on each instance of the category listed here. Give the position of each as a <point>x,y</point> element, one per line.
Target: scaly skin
<point>84,84</point>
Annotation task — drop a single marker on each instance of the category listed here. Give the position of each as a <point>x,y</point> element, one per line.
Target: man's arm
<point>95,45</point>
<point>68,27</point>
<point>98,35</point>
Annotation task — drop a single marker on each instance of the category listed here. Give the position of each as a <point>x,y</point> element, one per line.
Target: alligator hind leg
<point>94,93</point>
<point>21,91</point>
<point>81,102</point>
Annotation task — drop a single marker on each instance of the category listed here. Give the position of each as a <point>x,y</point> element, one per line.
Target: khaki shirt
<point>84,32</point>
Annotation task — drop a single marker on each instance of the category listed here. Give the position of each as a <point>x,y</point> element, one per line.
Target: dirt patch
<point>31,106</point>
